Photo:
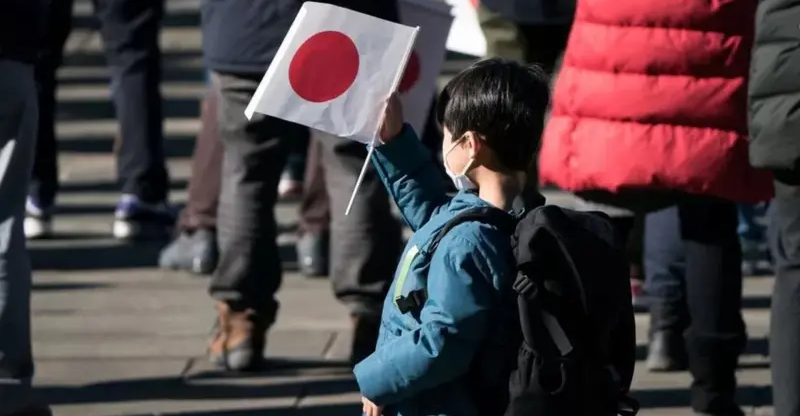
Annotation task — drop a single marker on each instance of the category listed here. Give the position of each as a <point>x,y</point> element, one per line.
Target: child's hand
<point>369,408</point>
<point>392,120</point>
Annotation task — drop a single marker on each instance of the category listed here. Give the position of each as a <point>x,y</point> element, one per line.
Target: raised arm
<point>409,173</point>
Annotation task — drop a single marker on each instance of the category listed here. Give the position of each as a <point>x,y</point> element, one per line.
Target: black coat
<point>536,12</point>
<point>21,24</point>
<point>242,36</point>
<point>774,89</point>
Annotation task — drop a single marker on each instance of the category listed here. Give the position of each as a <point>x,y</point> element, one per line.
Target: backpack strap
<point>486,215</point>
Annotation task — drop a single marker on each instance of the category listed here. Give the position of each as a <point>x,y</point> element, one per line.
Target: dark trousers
<point>315,209</point>
<point>784,339</point>
<point>693,271</point>
<point>130,30</point>
<point>249,271</point>
<point>204,185</point>
<point>367,243</point>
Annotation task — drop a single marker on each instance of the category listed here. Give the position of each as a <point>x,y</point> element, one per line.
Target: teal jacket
<point>422,359</point>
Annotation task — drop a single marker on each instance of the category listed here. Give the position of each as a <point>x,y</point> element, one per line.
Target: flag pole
<point>361,176</point>
<point>374,141</point>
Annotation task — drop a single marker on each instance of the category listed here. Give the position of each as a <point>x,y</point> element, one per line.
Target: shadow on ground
<point>755,346</point>
<point>114,255</point>
<point>175,145</point>
<point>210,386</point>
<point>63,286</point>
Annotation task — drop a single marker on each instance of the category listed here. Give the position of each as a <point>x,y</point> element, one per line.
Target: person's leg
<point>664,267</point>
<point>18,119</point>
<point>130,31</point>
<point>753,238</point>
<point>44,181</point>
<point>249,271</point>
<point>716,335</point>
<point>784,338</point>
<point>504,38</point>
<point>291,183</point>
<point>195,247</point>
<point>368,241</point>
<point>313,245</point>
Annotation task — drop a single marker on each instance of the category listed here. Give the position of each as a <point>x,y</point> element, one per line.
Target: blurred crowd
<point>679,118</point>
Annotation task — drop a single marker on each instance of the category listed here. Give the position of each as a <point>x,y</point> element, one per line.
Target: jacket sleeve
<point>452,325</point>
<point>410,176</point>
<point>774,88</point>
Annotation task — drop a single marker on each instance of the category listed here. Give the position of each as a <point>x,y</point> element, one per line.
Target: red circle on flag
<point>411,74</point>
<point>324,66</point>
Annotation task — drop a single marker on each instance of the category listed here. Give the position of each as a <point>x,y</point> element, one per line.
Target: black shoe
<point>195,252</point>
<point>667,352</point>
<point>365,337</point>
<point>313,254</point>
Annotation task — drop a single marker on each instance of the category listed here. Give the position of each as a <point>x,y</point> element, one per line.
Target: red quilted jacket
<point>653,94</point>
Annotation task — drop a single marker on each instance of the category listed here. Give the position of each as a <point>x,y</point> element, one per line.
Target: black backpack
<point>577,333</point>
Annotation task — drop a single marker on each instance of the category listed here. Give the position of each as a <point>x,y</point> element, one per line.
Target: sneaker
<point>239,341</point>
<point>134,219</point>
<point>38,220</point>
<point>312,254</point>
<point>289,187</point>
<point>195,252</point>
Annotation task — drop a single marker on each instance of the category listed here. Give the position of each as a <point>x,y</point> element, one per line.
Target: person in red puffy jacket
<point>650,113</point>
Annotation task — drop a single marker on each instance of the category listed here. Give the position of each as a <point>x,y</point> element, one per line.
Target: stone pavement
<point>115,336</point>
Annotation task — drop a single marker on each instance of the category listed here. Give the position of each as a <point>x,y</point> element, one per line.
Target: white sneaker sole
<point>36,228</point>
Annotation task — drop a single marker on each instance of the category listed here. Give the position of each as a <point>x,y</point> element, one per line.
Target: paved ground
<point>115,336</point>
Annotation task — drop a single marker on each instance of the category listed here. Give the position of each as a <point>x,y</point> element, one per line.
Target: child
<point>493,116</point>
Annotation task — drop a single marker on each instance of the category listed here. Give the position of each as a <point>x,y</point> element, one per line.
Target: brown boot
<point>239,342</point>
<point>365,337</point>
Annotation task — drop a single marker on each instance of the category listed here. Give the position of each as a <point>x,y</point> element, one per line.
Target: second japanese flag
<point>334,70</point>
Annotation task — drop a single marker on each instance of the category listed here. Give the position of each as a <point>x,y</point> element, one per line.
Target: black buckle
<point>413,301</point>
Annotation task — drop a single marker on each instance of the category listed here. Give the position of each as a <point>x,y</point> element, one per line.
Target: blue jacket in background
<point>242,36</point>
<point>21,26</point>
<point>421,360</point>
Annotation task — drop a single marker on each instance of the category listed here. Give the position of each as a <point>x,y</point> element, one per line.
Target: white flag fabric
<point>466,35</point>
<point>418,85</point>
<point>334,71</point>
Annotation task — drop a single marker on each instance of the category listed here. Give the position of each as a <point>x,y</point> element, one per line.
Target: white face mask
<point>461,181</point>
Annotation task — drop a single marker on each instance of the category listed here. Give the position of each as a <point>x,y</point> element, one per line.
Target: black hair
<point>504,103</point>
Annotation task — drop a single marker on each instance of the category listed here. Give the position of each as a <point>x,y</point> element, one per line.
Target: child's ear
<point>473,144</point>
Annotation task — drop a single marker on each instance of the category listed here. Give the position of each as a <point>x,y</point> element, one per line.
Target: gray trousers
<point>18,121</point>
<point>784,339</point>
<point>366,243</point>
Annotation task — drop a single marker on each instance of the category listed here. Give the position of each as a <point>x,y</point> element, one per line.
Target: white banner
<point>418,85</point>
<point>466,35</point>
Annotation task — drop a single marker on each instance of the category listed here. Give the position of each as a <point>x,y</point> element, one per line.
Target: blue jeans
<point>18,123</point>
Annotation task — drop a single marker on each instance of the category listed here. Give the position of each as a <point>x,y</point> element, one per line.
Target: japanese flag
<point>334,71</point>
